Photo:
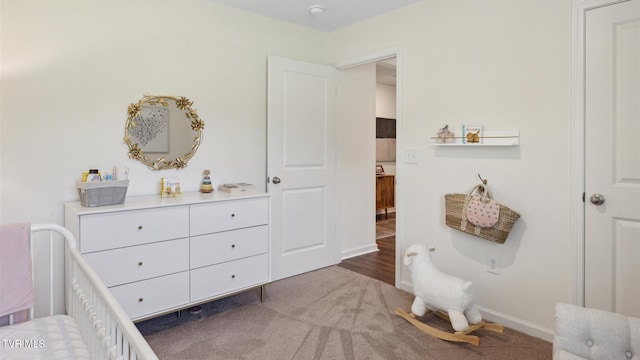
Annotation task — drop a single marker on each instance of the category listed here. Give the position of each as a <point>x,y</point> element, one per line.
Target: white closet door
<point>612,158</point>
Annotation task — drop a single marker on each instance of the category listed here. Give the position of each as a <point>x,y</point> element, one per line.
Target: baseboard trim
<point>517,324</point>
<point>346,254</point>
<point>509,321</point>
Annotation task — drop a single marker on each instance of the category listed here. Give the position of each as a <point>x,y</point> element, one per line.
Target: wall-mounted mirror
<point>163,132</point>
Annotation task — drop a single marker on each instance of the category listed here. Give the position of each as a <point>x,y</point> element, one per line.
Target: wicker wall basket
<point>455,218</point>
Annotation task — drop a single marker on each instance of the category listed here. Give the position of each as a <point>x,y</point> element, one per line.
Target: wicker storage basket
<point>102,193</point>
<point>455,218</point>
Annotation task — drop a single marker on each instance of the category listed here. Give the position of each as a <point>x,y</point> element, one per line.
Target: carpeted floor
<point>331,313</point>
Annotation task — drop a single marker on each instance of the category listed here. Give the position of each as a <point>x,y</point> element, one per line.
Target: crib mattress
<point>52,337</point>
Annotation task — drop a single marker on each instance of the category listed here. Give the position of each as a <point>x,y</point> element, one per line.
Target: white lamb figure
<point>436,290</point>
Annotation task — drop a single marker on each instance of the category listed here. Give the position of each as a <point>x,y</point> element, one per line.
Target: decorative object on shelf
<point>445,136</point>
<point>170,187</point>
<point>206,186</point>
<point>237,188</point>
<point>379,170</point>
<point>448,296</point>
<point>471,134</point>
<point>158,135</point>
<point>485,138</point>
<point>456,216</point>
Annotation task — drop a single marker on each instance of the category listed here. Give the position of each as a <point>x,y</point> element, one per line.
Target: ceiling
<point>336,15</point>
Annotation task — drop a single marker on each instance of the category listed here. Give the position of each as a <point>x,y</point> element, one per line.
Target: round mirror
<point>163,132</point>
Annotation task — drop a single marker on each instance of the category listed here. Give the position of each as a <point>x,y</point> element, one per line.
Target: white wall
<point>70,68</point>
<point>505,65</point>
<point>385,101</point>
<point>356,160</point>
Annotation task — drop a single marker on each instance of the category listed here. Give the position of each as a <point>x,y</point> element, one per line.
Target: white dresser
<point>158,255</point>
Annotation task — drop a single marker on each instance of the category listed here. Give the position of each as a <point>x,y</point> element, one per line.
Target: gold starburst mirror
<point>163,132</point>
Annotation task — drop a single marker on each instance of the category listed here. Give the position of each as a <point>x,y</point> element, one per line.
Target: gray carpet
<point>331,313</point>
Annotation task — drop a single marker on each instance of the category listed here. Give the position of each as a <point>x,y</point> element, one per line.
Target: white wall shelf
<point>488,138</point>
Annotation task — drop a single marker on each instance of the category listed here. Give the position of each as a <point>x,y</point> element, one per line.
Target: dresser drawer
<point>154,295</point>
<point>134,227</point>
<point>228,215</point>
<point>219,279</point>
<point>135,263</point>
<point>228,245</point>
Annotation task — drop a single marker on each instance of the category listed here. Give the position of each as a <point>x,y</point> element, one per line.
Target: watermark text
<point>22,343</point>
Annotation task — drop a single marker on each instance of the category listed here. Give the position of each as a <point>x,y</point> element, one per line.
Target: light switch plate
<point>410,156</point>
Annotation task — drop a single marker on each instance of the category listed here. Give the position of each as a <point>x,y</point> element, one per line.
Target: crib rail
<point>107,329</point>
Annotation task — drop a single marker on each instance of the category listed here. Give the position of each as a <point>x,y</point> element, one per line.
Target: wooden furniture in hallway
<point>385,193</point>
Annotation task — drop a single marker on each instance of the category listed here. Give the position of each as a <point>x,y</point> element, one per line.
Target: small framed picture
<point>379,170</point>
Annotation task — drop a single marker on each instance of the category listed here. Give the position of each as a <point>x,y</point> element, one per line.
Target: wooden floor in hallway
<point>380,265</point>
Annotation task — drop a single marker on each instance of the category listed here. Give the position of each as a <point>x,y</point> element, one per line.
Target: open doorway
<point>381,264</point>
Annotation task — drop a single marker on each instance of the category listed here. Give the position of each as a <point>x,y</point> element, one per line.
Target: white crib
<point>94,327</point>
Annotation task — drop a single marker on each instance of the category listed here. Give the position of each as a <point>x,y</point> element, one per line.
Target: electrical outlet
<point>493,264</point>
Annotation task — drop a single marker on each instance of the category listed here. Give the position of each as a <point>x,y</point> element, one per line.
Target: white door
<point>612,158</point>
<point>301,166</point>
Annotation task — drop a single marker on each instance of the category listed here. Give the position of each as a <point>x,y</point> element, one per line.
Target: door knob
<point>597,199</point>
<point>275,180</point>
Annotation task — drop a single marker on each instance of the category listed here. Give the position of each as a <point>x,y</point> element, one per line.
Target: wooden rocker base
<point>458,336</point>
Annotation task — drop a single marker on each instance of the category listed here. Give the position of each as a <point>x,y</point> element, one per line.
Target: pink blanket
<point>16,286</point>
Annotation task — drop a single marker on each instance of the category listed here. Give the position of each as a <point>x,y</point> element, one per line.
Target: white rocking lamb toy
<point>448,296</point>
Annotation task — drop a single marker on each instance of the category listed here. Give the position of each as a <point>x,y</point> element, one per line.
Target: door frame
<point>372,58</point>
<point>577,262</point>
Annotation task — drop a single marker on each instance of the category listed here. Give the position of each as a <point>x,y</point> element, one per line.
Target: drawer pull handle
<point>139,227</point>
<point>233,246</point>
<point>140,263</point>
<point>140,300</point>
<point>233,276</point>
<point>233,215</point>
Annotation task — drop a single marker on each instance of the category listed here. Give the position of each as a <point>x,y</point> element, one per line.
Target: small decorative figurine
<point>206,186</point>
<point>445,136</point>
